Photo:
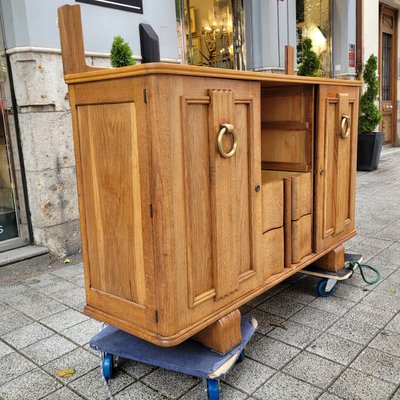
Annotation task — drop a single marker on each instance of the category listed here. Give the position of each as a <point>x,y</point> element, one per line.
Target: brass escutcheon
<point>226,128</point>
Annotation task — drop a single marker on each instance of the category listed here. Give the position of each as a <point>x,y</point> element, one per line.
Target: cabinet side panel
<point>109,159</point>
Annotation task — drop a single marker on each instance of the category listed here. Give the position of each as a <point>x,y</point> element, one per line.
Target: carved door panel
<point>222,163</point>
<point>335,167</point>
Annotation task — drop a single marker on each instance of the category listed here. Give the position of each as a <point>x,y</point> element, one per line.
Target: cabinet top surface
<point>195,71</point>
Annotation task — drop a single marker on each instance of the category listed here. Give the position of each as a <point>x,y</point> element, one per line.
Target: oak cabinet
<point>176,231</point>
<point>201,188</point>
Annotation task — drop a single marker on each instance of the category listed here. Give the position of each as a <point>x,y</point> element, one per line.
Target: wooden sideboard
<point>200,188</point>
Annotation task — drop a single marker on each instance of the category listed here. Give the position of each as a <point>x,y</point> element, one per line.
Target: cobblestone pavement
<point>343,347</point>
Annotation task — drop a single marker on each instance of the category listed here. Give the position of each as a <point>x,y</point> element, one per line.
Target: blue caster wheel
<point>213,389</point>
<point>241,357</point>
<point>322,288</point>
<point>107,366</point>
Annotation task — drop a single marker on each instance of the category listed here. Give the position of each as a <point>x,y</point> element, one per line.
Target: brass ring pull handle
<point>345,126</point>
<point>227,128</point>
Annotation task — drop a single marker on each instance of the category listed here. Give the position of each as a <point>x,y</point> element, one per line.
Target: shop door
<point>387,71</point>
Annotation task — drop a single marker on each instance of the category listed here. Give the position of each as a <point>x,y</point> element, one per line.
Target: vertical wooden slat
<point>288,221</point>
<point>223,187</point>
<point>289,60</point>
<point>342,166</point>
<point>71,38</point>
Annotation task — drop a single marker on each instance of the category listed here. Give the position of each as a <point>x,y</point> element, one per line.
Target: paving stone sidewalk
<point>343,347</point>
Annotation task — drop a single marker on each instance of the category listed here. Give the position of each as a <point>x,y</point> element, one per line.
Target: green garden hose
<point>354,264</point>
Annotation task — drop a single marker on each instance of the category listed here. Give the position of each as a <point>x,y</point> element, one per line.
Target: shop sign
<point>352,55</point>
<point>135,6</point>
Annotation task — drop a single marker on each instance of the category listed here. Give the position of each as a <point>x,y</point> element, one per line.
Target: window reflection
<point>209,33</point>
<point>313,20</point>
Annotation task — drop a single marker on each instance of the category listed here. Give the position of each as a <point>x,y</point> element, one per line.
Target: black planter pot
<point>369,150</point>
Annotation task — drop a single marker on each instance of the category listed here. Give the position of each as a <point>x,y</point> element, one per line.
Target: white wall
<point>34,23</point>
<point>371,29</point>
<point>344,34</point>
<point>270,25</point>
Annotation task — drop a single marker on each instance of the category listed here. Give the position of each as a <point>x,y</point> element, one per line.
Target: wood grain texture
<point>301,238</point>
<point>287,186</point>
<point>266,79</point>
<point>115,226</point>
<point>110,131</point>
<point>230,204</point>
<point>223,335</point>
<point>272,202</point>
<point>273,254</point>
<point>332,261</point>
<point>302,194</point>
<point>335,166</point>
<point>287,128</point>
<point>196,155</point>
<point>289,60</point>
<point>188,171</point>
<point>71,38</point>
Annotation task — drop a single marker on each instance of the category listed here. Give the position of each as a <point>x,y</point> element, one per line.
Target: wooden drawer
<point>272,252</point>
<point>272,203</point>
<point>301,238</point>
<point>301,194</point>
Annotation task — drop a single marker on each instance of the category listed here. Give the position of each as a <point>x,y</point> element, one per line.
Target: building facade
<point>38,199</point>
<point>378,22</point>
<point>37,172</point>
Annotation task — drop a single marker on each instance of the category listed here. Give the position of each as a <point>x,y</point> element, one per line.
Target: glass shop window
<point>313,20</point>
<point>212,33</point>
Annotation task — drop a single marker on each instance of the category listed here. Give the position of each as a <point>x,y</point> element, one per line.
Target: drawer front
<point>272,251</point>
<point>272,205</point>
<point>301,195</point>
<point>301,238</point>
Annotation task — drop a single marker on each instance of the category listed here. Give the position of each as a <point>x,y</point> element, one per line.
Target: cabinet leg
<point>223,335</point>
<point>332,261</point>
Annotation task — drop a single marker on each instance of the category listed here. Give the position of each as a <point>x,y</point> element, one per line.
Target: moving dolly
<point>190,357</point>
<point>327,285</point>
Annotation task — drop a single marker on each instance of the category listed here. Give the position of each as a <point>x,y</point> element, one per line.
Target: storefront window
<point>212,33</point>
<point>8,218</point>
<point>14,229</point>
<point>313,20</point>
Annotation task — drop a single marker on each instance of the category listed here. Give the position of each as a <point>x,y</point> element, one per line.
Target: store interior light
<point>318,38</point>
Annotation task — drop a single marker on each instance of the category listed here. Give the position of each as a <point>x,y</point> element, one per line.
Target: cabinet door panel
<point>335,165</point>
<point>206,211</point>
<point>232,193</point>
<point>223,218</point>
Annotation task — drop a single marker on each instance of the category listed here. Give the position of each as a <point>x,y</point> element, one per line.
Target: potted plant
<point>310,63</point>
<point>121,53</point>
<point>369,141</point>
